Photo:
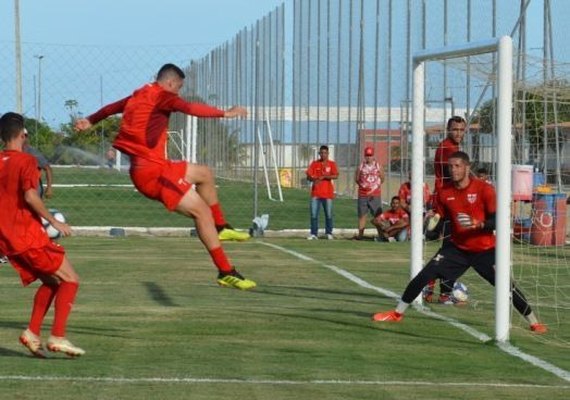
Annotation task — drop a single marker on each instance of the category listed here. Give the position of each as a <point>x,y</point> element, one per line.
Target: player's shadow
<point>363,325</point>
<point>11,353</point>
<point>158,294</point>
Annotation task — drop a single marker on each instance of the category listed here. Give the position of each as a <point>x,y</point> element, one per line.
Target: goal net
<point>467,81</point>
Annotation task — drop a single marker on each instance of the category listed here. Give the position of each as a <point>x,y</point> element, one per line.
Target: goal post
<point>504,49</point>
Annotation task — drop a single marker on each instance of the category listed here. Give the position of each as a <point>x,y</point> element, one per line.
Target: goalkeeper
<point>143,135</point>
<point>470,206</point>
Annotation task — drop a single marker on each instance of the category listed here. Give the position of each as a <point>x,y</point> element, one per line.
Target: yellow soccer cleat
<point>235,280</point>
<point>61,344</point>
<point>232,234</point>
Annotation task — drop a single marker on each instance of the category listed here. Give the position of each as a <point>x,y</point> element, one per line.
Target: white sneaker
<point>33,343</point>
<point>330,237</point>
<point>3,259</point>
<point>63,345</point>
<point>312,237</point>
<point>391,239</point>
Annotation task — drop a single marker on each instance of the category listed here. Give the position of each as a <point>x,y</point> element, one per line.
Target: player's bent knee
<point>192,205</point>
<point>66,273</point>
<point>199,174</point>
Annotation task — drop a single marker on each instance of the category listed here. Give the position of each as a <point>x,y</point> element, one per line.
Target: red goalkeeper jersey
<point>144,126</point>
<point>20,228</point>
<point>477,201</point>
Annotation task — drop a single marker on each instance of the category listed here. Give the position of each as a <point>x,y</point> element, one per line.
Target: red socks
<point>42,301</point>
<point>63,305</point>
<point>219,257</point>
<point>218,215</point>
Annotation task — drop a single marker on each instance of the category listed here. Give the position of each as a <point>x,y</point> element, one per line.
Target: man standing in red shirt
<point>25,242</point>
<point>470,206</point>
<point>369,177</point>
<point>321,172</point>
<point>455,132</point>
<point>143,136</point>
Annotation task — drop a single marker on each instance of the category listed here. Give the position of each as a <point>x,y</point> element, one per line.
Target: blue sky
<point>131,22</point>
<point>63,31</point>
<point>82,40</point>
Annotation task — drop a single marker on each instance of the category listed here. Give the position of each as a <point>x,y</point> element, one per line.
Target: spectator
<point>393,223</point>
<point>405,195</point>
<point>483,174</point>
<point>321,173</point>
<point>470,205</point>
<point>43,165</point>
<point>111,157</point>
<point>369,177</point>
<point>455,132</point>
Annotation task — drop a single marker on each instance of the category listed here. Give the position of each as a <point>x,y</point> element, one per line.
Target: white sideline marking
<point>189,380</point>
<point>506,347</point>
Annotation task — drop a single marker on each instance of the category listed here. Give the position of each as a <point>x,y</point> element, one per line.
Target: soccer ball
<point>460,292</point>
<point>50,230</point>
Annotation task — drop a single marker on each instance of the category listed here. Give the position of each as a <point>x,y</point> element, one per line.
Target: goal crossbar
<point>504,49</point>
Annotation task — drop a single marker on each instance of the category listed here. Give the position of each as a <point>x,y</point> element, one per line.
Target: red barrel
<point>548,219</point>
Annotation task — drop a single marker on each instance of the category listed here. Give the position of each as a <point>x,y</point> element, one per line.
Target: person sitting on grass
<point>470,206</point>
<point>393,223</point>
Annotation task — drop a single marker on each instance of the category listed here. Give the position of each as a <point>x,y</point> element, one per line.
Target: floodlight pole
<point>18,56</point>
<point>504,47</point>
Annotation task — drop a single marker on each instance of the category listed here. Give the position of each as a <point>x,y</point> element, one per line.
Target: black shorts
<point>448,264</point>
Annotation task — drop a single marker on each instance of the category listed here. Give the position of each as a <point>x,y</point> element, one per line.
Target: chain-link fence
<point>311,72</point>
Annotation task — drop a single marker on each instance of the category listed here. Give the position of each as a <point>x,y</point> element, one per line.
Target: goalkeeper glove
<point>465,221</point>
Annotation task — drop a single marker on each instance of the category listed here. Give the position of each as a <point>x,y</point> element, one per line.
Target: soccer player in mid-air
<point>470,206</point>
<point>186,188</point>
<point>25,242</point>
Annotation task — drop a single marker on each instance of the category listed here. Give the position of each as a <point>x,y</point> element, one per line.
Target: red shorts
<point>41,261</point>
<point>163,182</point>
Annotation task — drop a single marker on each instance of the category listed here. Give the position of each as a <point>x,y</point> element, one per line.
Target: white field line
<point>507,348</point>
<point>189,380</point>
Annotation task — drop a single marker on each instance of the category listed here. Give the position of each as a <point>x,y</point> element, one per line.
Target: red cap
<point>369,151</point>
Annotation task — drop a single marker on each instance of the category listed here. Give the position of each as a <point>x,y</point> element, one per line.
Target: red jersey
<point>323,189</point>
<point>143,131</point>
<point>20,227</point>
<point>394,216</point>
<point>478,201</point>
<point>405,193</point>
<point>369,182</point>
<point>446,148</point>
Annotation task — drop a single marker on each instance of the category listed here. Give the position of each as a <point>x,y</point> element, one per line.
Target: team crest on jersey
<point>472,197</point>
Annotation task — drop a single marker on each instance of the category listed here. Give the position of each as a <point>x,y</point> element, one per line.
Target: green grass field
<point>124,206</point>
<point>156,326</point>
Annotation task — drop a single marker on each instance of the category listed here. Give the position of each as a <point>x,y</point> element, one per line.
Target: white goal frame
<point>504,49</point>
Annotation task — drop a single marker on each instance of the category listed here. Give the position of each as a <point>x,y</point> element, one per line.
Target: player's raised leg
<point>204,180</point>
<point>193,205</point>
